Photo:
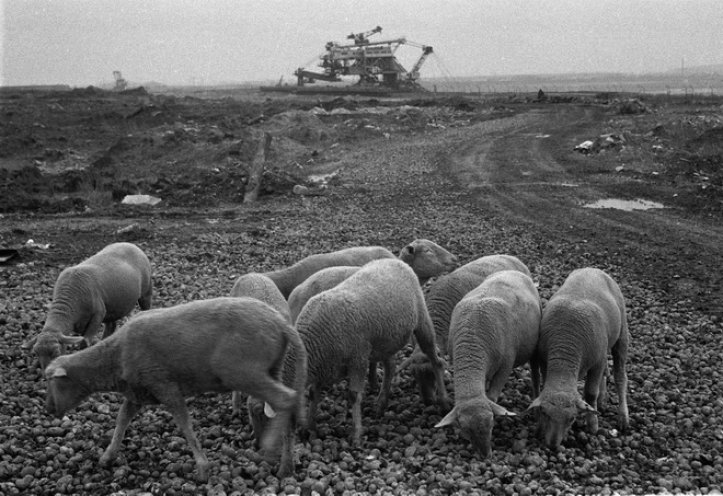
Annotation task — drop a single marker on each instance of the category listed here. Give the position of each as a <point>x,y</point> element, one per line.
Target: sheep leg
<point>286,464</point>
<point>373,377</point>
<point>497,383</point>
<point>356,390</point>
<point>535,367</point>
<point>424,335</point>
<point>620,354</point>
<point>109,328</point>
<point>383,398</point>
<point>603,392</point>
<point>177,407</point>
<point>237,401</point>
<point>91,329</point>
<point>592,388</point>
<point>314,398</point>
<point>127,411</point>
<point>145,300</point>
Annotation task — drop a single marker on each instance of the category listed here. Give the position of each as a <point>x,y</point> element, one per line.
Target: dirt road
<point>522,169</point>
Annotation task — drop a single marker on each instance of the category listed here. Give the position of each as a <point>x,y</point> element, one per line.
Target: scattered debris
<point>601,143</point>
<point>585,147</point>
<point>302,190</point>
<point>140,200</point>
<point>41,246</point>
<point>128,229</point>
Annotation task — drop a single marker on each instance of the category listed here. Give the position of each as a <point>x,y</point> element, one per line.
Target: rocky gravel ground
<point>675,441</point>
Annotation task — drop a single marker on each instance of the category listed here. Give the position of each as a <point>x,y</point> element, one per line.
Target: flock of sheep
<point>284,336</point>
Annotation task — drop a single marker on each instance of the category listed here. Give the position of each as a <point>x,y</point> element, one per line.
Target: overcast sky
<point>81,42</point>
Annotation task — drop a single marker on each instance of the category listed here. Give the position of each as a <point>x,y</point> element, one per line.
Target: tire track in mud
<point>511,168</point>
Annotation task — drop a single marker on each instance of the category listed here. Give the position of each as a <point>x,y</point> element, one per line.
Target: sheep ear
<point>583,406</point>
<point>269,411</point>
<point>448,419</point>
<point>536,403</point>
<point>70,339</point>
<point>501,411</point>
<point>407,253</point>
<point>29,343</point>
<point>60,372</point>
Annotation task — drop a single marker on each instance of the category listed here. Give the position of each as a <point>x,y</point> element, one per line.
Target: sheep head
<point>424,374</point>
<point>50,345</point>
<point>64,393</point>
<point>257,418</point>
<point>475,419</point>
<point>427,259</point>
<point>556,414</point>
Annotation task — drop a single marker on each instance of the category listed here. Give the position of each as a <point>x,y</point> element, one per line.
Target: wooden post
<point>256,171</point>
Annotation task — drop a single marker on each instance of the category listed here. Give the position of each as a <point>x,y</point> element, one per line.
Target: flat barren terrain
<point>477,175</point>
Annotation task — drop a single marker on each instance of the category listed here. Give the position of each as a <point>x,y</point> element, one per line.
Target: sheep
<point>581,323</point>
<point>288,278</point>
<point>261,287</point>
<point>441,299</point>
<point>427,258</point>
<point>492,330</point>
<point>315,284</point>
<point>366,318</point>
<point>102,289</point>
<point>165,355</point>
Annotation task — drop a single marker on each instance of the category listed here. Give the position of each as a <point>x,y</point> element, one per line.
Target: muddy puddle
<point>627,205</point>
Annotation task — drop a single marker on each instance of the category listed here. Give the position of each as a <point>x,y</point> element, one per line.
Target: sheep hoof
<point>202,472</point>
<point>623,424</point>
<point>106,458</point>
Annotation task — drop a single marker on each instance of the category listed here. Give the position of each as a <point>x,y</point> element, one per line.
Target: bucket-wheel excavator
<point>373,62</point>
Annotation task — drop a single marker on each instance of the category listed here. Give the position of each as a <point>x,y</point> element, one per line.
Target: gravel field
<point>390,193</point>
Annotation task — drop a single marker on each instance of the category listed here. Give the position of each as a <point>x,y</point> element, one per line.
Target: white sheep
<point>581,323</point>
<point>427,258</point>
<point>261,287</point>
<point>442,297</point>
<point>366,318</point>
<point>164,355</point>
<point>102,289</point>
<point>315,284</point>
<point>493,329</point>
<point>288,278</point>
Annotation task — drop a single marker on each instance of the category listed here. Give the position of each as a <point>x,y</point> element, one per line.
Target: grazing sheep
<point>427,258</point>
<point>315,284</point>
<point>582,322</point>
<point>164,355</point>
<point>493,329</point>
<point>102,289</point>
<point>366,318</point>
<point>288,278</point>
<point>261,287</point>
<point>441,299</point>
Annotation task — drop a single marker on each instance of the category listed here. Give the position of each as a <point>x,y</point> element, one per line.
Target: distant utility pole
<point>682,66</point>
